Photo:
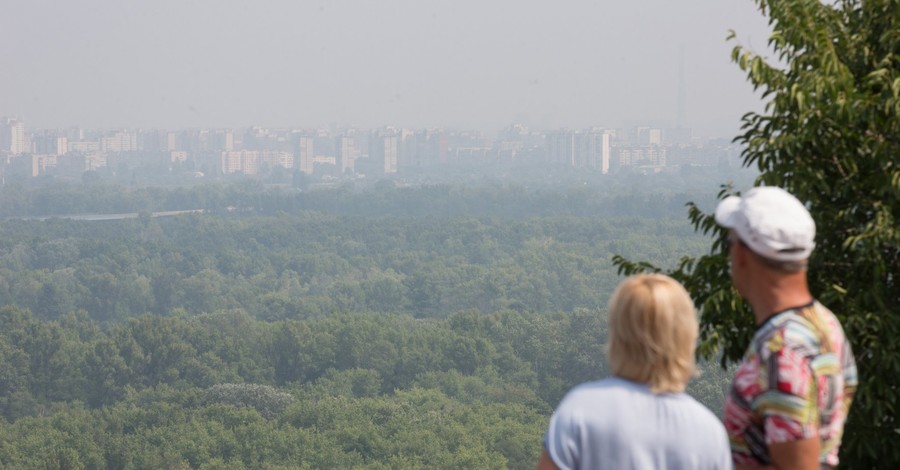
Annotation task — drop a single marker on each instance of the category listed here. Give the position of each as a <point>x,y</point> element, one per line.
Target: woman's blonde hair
<point>653,332</point>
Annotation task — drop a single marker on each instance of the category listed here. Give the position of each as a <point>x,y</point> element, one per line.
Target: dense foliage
<point>299,338</point>
<point>311,264</point>
<point>829,134</point>
<point>166,389</point>
<point>229,391</point>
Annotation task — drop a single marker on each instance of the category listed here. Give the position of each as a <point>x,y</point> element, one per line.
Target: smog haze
<point>469,64</point>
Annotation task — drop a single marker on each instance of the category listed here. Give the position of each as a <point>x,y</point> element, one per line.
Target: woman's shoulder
<point>608,388</point>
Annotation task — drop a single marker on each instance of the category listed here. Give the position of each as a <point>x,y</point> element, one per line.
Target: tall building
<point>244,161</point>
<point>12,136</point>
<point>649,136</point>
<point>151,140</point>
<point>580,149</point>
<point>83,146</point>
<point>426,147</point>
<point>49,144</point>
<point>274,158</point>
<point>347,150</point>
<point>95,161</point>
<point>642,156</point>
<point>40,164</point>
<point>307,154</point>
<point>590,149</point>
<point>561,147</point>
<point>384,151</point>
<point>124,141</point>
<point>602,162</point>
<point>222,140</point>
<point>390,154</point>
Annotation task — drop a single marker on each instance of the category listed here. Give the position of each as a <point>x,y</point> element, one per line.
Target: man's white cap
<point>771,222</point>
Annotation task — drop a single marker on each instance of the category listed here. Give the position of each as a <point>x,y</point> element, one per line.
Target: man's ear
<point>740,254</point>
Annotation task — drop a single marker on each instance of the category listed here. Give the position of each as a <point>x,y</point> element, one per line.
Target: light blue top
<point>617,424</point>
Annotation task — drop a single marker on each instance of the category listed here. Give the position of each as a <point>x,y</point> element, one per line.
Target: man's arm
<point>802,454</point>
<point>545,462</point>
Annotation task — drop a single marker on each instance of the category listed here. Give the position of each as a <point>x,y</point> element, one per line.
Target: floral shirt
<point>796,381</point>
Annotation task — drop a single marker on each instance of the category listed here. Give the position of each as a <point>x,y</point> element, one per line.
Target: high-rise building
<point>580,149</point>
<point>222,140</point>
<point>275,158</point>
<point>151,140</point>
<point>12,136</point>
<point>426,147</point>
<point>347,151</point>
<point>123,141</point>
<point>390,154</point>
<point>648,135</point>
<point>87,146</point>
<point>40,163</point>
<point>244,161</point>
<point>95,161</point>
<point>75,134</point>
<point>605,152</point>
<point>307,154</point>
<point>384,151</point>
<point>561,147</point>
<point>49,144</point>
<point>642,156</point>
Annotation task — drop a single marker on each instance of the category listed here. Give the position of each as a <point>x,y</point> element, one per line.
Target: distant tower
<point>604,153</point>
<point>307,154</point>
<point>681,97</point>
<point>390,154</point>
<point>347,153</point>
<point>12,136</point>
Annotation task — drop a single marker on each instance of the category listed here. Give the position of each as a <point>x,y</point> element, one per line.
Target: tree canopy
<point>329,329</point>
<point>830,134</point>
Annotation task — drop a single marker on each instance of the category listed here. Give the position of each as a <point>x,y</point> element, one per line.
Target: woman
<point>640,418</point>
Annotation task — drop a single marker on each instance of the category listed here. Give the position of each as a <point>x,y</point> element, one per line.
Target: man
<point>640,417</point>
<point>791,393</point>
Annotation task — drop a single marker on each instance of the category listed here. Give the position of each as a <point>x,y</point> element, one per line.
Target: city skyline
<point>346,153</point>
<point>274,63</point>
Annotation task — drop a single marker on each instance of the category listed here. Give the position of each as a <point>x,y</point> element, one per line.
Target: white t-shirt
<point>617,424</point>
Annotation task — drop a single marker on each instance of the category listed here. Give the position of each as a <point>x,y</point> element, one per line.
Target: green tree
<point>830,134</point>
<point>15,398</point>
<point>266,400</point>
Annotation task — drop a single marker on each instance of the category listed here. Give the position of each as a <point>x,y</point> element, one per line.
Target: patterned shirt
<point>796,381</point>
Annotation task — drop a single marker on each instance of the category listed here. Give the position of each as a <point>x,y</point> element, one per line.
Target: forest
<point>392,327</point>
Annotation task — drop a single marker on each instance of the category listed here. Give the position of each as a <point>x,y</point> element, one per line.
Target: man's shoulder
<point>796,328</point>
<point>784,330</point>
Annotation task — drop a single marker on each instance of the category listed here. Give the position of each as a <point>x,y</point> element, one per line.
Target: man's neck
<point>778,293</point>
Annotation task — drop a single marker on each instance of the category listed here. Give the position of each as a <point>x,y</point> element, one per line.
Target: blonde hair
<point>653,332</point>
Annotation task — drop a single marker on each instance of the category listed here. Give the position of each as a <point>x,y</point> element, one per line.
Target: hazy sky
<point>477,64</point>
